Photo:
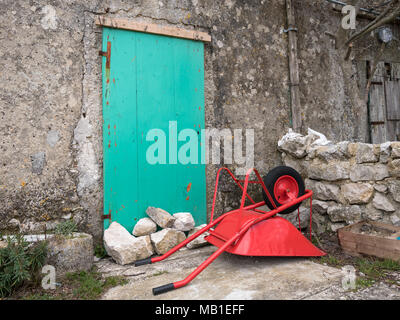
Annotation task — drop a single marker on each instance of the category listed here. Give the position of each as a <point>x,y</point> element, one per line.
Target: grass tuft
<point>89,285</point>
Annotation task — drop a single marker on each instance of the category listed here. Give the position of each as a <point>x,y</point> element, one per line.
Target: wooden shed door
<point>152,82</point>
<point>384,103</point>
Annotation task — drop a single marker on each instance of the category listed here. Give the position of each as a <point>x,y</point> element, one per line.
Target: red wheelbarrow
<point>251,231</point>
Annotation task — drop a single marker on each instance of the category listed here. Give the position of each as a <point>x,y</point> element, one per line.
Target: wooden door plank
<point>156,106</point>
<point>393,130</point>
<point>392,92</point>
<point>152,28</point>
<point>378,133</point>
<point>377,103</point>
<point>395,72</point>
<point>189,78</point>
<point>119,131</point>
<point>377,114</point>
<point>380,72</point>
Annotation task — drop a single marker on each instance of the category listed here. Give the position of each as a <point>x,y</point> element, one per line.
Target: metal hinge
<point>377,122</point>
<point>106,216</point>
<point>290,29</point>
<point>107,54</point>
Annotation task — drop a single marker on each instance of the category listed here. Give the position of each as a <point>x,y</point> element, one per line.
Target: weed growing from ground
<point>20,263</point>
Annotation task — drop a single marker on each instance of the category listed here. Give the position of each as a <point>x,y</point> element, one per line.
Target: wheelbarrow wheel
<point>283,184</point>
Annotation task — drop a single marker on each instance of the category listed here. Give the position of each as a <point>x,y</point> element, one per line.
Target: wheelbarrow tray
<point>275,236</point>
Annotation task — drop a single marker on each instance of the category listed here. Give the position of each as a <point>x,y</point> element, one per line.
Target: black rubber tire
<point>272,177</point>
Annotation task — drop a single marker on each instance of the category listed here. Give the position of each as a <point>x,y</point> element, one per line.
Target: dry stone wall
<point>351,181</point>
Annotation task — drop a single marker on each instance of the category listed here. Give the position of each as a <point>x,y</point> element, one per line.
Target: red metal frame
<point>254,216</point>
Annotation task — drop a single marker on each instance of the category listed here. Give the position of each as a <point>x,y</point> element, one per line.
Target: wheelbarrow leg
<point>182,244</point>
<point>200,268</point>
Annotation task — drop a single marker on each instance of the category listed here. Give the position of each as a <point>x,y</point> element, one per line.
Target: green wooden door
<point>152,85</point>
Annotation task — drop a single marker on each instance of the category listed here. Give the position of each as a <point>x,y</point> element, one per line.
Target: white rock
<point>294,144</point>
<point>331,171</point>
<point>144,227</point>
<point>395,150</point>
<point>199,241</point>
<point>394,167</point>
<point>357,193</point>
<point>394,188</point>
<point>166,239</point>
<point>395,220</point>
<point>381,202</point>
<point>70,254</point>
<point>366,172</point>
<point>320,207</point>
<point>323,190</point>
<point>364,152</point>
<point>384,152</point>
<point>183,221</point>
<point>381,188</point>
<point>332,152</point>
<point>67,216</point>
<point>125,248</point>
<point>315,138</point>
<point>348,214</point>
<point>372,213</point>
<point>161,217</point>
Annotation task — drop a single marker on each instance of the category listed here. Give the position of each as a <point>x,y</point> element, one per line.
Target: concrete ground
<point>228,277</point>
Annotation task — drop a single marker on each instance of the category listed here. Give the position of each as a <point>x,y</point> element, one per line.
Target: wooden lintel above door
<point>152,28</point>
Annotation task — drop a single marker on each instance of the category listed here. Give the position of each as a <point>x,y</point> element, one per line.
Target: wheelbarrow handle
<point>162,289</point>
<point>142,262</point>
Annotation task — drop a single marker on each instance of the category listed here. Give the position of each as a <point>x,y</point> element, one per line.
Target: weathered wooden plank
<point>384,225</point>
<point>377,103</point>
<point>395,71</point>
<point>152,28</point>
<point>377,113</point>
<point>356,243</point>
<point>372,241</point>
<point>378,133</point>
<point>368,249</point>
<point>354,229</point>
<point>392,92</point>
<point>393,130</point>
<point>297,122</point>
<point>380,72</point>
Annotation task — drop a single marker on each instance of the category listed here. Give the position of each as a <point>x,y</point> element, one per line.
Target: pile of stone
<point>351,181</point>
<point>145,240</point>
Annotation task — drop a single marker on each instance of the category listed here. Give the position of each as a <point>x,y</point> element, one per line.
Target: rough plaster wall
<point>40,99</point>
<point>50,93</point>
<point>329,104</point>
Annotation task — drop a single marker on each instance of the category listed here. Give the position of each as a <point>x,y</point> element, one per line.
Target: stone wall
<point>351,181</point>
